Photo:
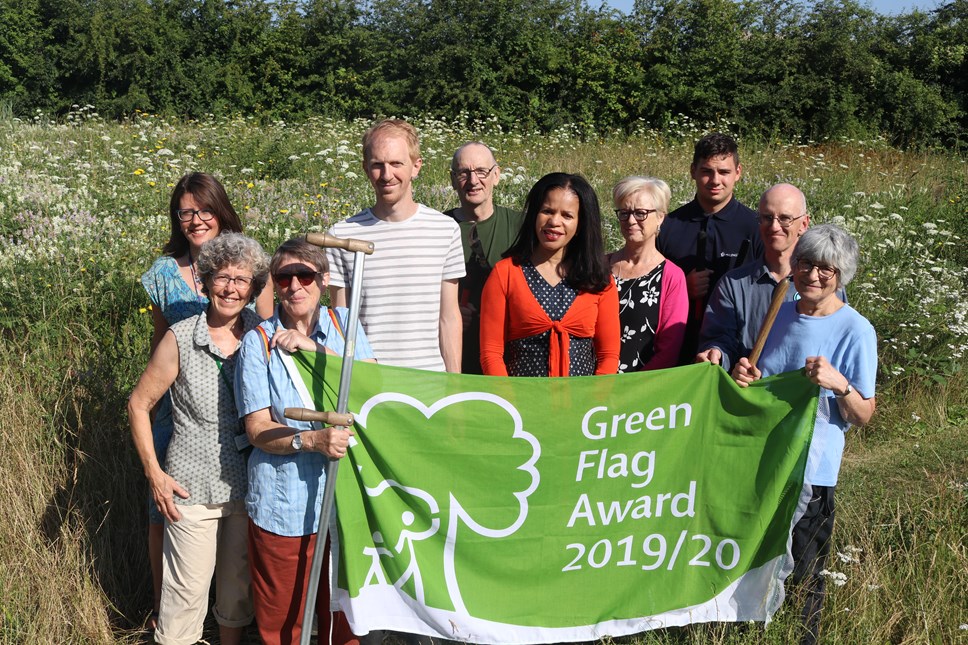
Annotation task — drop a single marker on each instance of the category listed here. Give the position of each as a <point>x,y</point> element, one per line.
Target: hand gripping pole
<point>361,249</point>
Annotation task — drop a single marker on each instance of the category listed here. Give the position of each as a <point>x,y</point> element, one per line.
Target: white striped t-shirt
<point>400,308</point>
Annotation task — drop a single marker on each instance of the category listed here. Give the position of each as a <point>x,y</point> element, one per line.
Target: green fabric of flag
<point>533,510</point>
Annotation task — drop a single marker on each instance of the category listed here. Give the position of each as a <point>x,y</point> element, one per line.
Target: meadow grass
<point>83,214</point>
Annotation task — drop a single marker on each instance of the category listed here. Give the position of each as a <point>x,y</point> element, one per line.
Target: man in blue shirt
<point>711,234</point>
<point>740,300</point>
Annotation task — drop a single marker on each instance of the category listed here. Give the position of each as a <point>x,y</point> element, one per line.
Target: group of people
<point>480,289</point>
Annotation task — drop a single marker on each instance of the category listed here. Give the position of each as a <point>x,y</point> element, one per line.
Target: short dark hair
<point>715,144</point>
<point>298,247</point>
<point>585,254</point>
<point>209,193</point>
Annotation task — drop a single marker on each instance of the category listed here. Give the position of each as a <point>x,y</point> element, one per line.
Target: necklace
<point>196,283</point>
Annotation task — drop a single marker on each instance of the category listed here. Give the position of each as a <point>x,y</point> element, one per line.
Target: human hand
<point>292,340</point>
<point>163,490</point>
<point>745,372</point>
<point>467,314</point>
<point>697,283</point>
<point>711,355</point>
<point>333,441</point>
<point>819,370</point>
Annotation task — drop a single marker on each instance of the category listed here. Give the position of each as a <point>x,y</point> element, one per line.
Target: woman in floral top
<point>652,290</point>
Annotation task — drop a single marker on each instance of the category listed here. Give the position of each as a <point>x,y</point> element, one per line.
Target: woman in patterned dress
<point>200,489</point>
<point>199,210</point>
<point>652,290</point>
<point>550,307</point>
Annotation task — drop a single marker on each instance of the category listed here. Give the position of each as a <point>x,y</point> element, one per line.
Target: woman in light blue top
<point>288,463</point>
<point>837,349</point>
<point>199,211</point>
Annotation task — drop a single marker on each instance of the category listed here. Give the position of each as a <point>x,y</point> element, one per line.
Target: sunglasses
<point>305,278</point>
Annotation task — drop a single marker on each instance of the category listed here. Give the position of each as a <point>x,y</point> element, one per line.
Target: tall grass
<point>82,215</point>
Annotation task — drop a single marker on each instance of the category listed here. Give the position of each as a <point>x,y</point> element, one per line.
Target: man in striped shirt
<point>409,302</point>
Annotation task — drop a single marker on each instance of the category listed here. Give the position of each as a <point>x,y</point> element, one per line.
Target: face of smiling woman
<point>196,230</point>
<point>230,298</point>
<point>557,222</point>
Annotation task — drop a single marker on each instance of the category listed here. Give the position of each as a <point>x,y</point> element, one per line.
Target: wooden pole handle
<point>326,240</point>
<point>329,418</point>
<point>779,296</point>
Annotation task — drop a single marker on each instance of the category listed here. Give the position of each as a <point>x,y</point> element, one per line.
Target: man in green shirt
<point>486,230</point>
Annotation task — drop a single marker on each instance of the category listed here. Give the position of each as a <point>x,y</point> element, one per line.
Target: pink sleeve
<point>673,310</point>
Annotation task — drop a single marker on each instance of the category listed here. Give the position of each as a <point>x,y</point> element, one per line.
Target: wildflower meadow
<point>83,213</point>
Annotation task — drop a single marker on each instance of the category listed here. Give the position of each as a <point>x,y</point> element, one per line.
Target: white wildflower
<point>836,578</point>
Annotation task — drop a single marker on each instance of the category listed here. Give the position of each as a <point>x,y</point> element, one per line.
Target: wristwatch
<point>845,392</point>
<point>297,442</point>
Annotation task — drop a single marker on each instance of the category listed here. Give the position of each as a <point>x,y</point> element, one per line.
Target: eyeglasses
<point>823,272</point>
<point>187,214</point>
<point>240,281</point>
<point>640,214</point>
<point>305,278</point>
<point>465,175</point>
<point>785,221</point>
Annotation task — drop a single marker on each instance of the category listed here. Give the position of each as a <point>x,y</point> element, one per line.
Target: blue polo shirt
<point>726,232</point>
<point>284,491</point>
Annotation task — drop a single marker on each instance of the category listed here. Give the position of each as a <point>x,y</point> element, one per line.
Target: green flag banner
<point>539,510</point>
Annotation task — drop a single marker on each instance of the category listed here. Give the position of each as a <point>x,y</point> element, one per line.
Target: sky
<point>880,6</point>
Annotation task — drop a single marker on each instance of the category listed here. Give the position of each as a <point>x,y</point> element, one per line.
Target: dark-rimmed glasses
<point>785,221</point>
<point>824,272</point>
<point>241,281</point>
<point>640,214</point>
<point>482,173</point>
<point>187,214</point>
<point>305,278</point>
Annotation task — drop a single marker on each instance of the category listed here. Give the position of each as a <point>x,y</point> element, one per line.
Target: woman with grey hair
<point>653,303</point>
<point>837,349</point>
<point>200,489</point>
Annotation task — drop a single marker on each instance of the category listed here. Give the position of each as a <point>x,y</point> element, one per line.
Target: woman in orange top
<point>550,308</point>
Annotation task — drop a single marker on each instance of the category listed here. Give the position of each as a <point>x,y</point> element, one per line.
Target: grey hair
<point>655,188</point>
<point>233,249</point>
<point>832,245</point>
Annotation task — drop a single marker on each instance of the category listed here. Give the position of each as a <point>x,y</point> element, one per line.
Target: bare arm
<point>855,409</point>
<point>154,382</point>
<point>451,326</point>
<point>264,303</point>
<point>276,438</point>
<point>159,327</point>
<point>337,296</point>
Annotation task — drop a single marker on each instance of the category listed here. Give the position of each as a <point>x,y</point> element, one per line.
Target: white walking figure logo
<point>405,541</point>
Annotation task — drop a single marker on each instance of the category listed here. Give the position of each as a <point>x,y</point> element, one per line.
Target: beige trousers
<point>208,538</point>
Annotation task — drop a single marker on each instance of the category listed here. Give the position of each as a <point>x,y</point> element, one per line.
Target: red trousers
<point>280,573</point>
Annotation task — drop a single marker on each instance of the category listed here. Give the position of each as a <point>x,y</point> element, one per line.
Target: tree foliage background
<point>771,67</point>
